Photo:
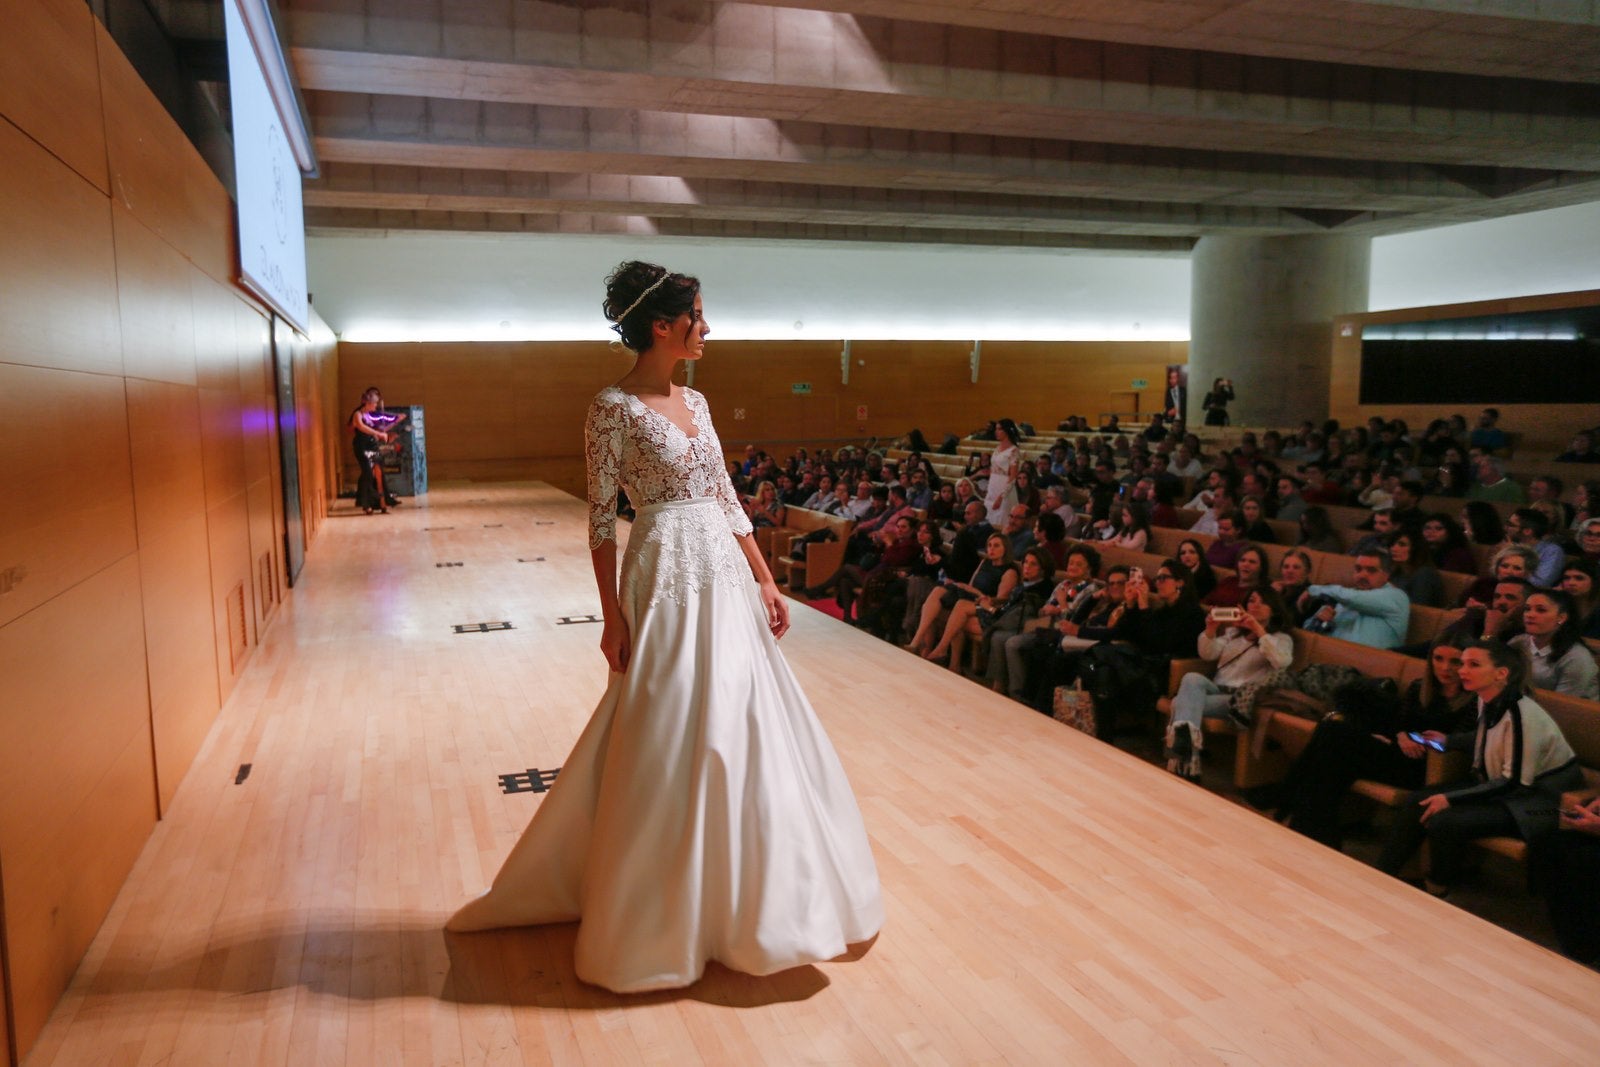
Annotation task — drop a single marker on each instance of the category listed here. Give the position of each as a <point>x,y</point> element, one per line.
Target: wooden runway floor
<point>1050,900</point>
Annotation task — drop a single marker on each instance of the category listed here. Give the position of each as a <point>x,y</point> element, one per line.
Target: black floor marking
<point>535,559</point>
<point>481,627</point>
<point>573,620</point>
<point>494,525</point>
<point>451,564</point>
<point>531,780</point>
<point>544,522</point>
<point>434,529</point>
<point>244,772</point>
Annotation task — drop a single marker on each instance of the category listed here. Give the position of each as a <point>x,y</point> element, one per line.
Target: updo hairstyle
<point>633,318</point>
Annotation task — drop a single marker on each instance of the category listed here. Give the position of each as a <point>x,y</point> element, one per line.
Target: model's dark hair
<point>632,317</point>
<point>1568,633</point>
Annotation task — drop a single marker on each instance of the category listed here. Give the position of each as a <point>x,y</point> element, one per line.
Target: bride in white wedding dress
<point>703,814</point>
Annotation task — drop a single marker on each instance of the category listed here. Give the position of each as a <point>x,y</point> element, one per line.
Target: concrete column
<point>1261,311</point>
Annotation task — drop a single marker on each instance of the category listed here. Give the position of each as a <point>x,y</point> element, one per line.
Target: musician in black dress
<point>370,426</point>
<point>1215,403</point>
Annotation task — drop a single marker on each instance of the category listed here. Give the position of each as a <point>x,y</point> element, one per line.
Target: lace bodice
<point>628,443</point>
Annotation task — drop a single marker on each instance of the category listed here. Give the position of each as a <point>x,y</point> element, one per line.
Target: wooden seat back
<point>1426,623</point>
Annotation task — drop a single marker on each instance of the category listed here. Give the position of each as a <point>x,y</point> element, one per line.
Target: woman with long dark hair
<point>1000,493</point>
<point>1521,764</point>
<point>703,782</point>
<point>1447,543</point>
<point>1482,523</point>
<point>1344,748</point>
<point>1202,578</point>
<point>1557,657</point>
<point>371,426</point>
<point>1316,531</point>
<point>1414,573</point>
<point>1215,403</point>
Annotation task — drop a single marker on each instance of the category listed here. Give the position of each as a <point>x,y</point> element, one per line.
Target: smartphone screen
<point>1437,746</point>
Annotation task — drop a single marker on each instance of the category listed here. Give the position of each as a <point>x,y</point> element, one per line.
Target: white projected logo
<point>277,151</point>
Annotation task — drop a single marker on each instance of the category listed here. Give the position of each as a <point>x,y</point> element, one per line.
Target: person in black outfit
<point>1215,403</point>
<point>370,425</point>
<point>1568,868</point>
<point>1161,618</point>
<point>1345,748</point>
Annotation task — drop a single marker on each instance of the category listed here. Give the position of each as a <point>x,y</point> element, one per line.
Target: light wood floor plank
<point>1050,899</point>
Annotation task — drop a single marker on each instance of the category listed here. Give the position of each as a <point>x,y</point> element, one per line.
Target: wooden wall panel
<point>58,303</point>
<point>80,788</point>
<point>51,90</point>
<point>515,411</point>
<point>228,535</point>
<point>152,163</point>
<point>168,478</point>
<point>66,483</point>
<point>157,311</point>
<point>1544,427</point>
<point>180,649</point>
<point>221,424</point>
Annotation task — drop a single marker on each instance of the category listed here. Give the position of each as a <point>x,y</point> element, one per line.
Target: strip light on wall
<point>261,21</point>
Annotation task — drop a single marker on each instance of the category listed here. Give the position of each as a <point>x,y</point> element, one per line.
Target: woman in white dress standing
<point>1001,492</point>
<point>703,814</point>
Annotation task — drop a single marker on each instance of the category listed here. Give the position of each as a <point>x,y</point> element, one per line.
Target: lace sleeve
<point>602,445</point>
<point>738,521</point>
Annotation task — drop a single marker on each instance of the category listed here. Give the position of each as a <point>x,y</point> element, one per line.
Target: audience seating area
<point>1285,721</point>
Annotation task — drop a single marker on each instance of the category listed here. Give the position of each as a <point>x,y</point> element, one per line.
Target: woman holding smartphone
<point>1246,643</point>
<point>1521,764</point>
<point>1341,751</point>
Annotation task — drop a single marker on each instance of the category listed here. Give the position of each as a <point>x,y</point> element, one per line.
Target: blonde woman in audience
<point>1557,657</point>
<point>1294,575</point>
<point>765,508</point>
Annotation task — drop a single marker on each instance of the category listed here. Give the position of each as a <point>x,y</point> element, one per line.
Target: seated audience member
<point>1027,494</point>
<point>966,548</point>
<point>1206,497</point>
<point>892,607</point>
<point>955,603</point>
<point>1193,556</point>
<point>1414,572</point>
<point>1018,530</point>
<point>1230,540</point>
<point>1581,450</point>
<point>1544,493</point>
<point>1569,872</point>
<point>919,494</point>
<point>966,490</point>
<point>1345,748</point>
<point>1255,521</point>
<point>865,501</point>
<point>1521,764</point>
<point>838,503</point>
<point>1579,581</point>
<point>1558,658</point>
<point>1370,612</point>
<point>1161,474</point>
<point>1493,484</point>
<point>1488,436</point>
<point>1159,617</point>
<point>1291,505</point>
<point>1055,502</point>
<point>1103,493</point>
<point>1482,523</point>
<point>1050,534</point>
<point>1006,620</point>
<point>1378,492</point>
<point>1449,479</point>
<point>1381,524</point>
<point>818,500</point>
<point>942,508</point>
<point>1316,531</point>
<point>1447,544</point>
<point>894,548</point>
<point>1250,568</point>
<point>1318,489</point>
<point>1529,528</point>
<point>765,508</point>
<point>1132,530</point>
<point>1512,561</point>
<point>1245,650</point>
<point>1071,602</point>
<point>1185,463</point>
<point>1589,540</point>
<point>1294,577</point>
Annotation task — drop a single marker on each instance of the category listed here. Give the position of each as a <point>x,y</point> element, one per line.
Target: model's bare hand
<point>614,645</point>
<point>776,606</point>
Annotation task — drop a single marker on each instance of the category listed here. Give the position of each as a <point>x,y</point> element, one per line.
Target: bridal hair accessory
<point>664,276</point>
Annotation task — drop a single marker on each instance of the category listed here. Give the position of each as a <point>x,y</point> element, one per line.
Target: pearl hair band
<point>664,276</point>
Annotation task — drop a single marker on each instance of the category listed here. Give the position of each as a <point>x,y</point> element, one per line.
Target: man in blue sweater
<point>1369,612</point>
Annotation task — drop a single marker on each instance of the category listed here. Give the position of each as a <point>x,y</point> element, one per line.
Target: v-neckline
<point>664,417</point>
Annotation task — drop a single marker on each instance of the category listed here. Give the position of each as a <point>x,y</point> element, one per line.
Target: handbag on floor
<point>1074,706</point>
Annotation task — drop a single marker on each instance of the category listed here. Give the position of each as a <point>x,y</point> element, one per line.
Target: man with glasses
<point>1589,540</point>
<point>1370,611</point>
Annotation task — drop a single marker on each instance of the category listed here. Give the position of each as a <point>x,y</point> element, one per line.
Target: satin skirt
<point>703,814</point>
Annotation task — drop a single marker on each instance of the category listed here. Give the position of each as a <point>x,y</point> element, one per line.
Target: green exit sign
<point>1141,383</point>
<point>800,388</point>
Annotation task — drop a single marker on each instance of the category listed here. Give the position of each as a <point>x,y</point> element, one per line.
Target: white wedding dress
<point>703,814</point>
<point>1000,494</point>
